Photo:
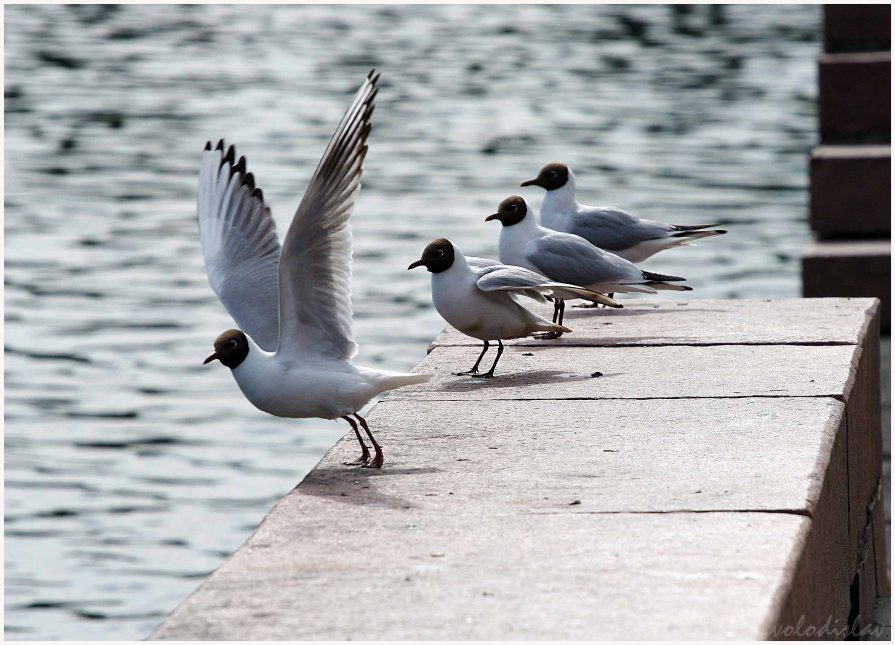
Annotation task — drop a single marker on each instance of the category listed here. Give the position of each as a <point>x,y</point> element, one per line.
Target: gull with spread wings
<point>291,355</point>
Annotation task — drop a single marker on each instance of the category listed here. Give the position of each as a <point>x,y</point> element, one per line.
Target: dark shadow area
<point>518,379</point>
<point>354,485</point>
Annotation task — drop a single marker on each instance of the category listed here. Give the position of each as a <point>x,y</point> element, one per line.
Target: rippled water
<point>131,469</point>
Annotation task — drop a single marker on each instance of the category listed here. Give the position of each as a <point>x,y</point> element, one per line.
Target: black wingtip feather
<point>240,167</point>
<point>658,277</point>
<point>693,227</point>
<point>207,146</point>
<point>696,232</point>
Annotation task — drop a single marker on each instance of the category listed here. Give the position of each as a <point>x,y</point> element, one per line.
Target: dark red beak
<point>530,182</point>
<point>418,263</point>
<point>492,216</point>
<point>213,357</point>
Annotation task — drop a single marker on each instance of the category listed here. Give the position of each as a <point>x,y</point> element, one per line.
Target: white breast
<point>324,389</point>
<point>513,243</point>
<point>486,316</point>
<point>558,208</point>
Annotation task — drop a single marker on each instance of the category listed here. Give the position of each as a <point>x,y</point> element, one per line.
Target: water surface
<point>132,470</point>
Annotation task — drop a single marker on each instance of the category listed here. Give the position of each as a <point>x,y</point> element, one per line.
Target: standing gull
<point>291,355</point>
<point>571,259</point>
<point>607,227</point>
<point>474,295</point>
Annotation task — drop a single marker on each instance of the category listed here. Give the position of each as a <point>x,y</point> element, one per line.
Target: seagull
<point>474,295</point>
<point>291,355</point>
<point>607,227</point>
<point>563,257</point>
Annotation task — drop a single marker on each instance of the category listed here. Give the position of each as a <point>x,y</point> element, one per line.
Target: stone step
<point>854,101</point>
<point>851,190</point>
<point>849,268</point>
<point>728,484</point>
<point>857,27</point>
<point>667,372</point>
<point>652,321</point>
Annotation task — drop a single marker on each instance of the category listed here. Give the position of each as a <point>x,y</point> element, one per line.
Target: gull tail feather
<point>689,236</point>
<point>569,291</point>
<point>695,227</point>
<point>658,277</point>
<point>549,326</point>
<point>664,286</point>
<point>627,287</point>
<point>536,323</point>
<point>390,381</point>
<point>534,294</point>
<point>660,282</point>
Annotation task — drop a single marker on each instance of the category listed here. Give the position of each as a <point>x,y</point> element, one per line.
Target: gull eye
<point>552,173</point>
<point>439,252</point>
<point>513,207</point>
<point>232,343</point>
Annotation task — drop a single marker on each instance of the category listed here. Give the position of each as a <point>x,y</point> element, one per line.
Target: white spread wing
<point>315,266</point>
<point>520,280</point>
<point>239,243</point>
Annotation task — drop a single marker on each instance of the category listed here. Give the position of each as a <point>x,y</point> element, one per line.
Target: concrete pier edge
<point>725,465</point>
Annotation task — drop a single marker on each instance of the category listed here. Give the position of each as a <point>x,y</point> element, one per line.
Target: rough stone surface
<point>503,454</point>
<point>882,620</point>
<point>640,373</point>
<point>701,322</point>
<point>864,436</point>
<point>885,347</point>
<point>547,503</point>
<point>880,546</point>
<point>819,594</point>
<point>443,573</point>
<point>851,190</point>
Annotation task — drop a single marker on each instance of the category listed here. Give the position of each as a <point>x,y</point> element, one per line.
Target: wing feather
<point>315,266</point>
<point>239,243</point>
<point>573,260</point>
<point>520,280</point>
<point>613,229</point>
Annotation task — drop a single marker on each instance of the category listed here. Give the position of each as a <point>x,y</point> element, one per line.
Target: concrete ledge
<point>849,268</point>
<point>820,592</point>
<point>854,101</point>
<point>651,322</point>
<point>557,373</point>
<point>547,504</point>
<point>851,190</point>
<point>857,27</point>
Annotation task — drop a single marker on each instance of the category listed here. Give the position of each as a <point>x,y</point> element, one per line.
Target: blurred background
<point>132,471</point>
